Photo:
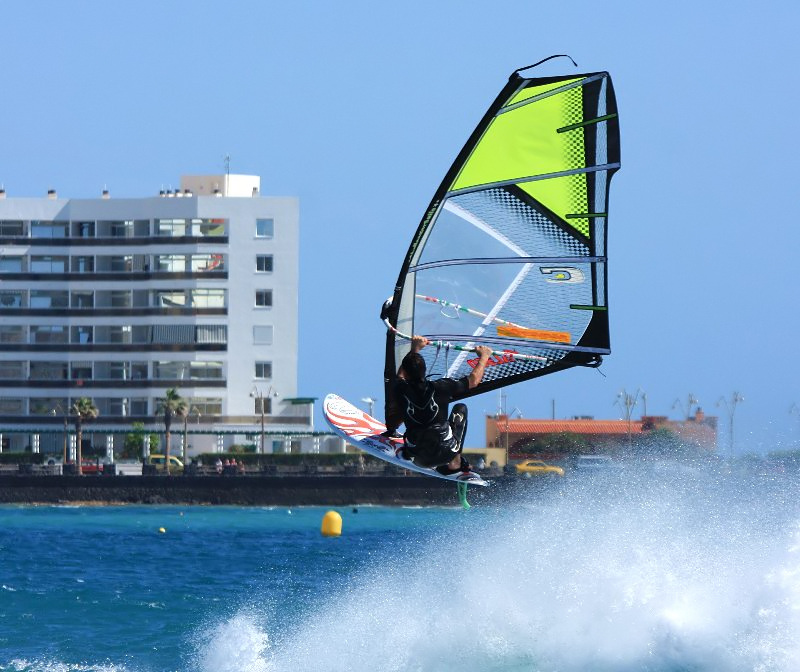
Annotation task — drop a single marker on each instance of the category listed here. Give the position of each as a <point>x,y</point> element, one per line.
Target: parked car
<point>538,468</point>
<point>91,467</point>
<point>174,463</point>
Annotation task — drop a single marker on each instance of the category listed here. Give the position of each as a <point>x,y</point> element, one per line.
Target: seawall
<point>247,490</point>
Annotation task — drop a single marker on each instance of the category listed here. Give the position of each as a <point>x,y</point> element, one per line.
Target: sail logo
<point>565,274</point>
<point>496,359</point>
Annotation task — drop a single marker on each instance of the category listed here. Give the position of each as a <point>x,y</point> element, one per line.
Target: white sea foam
<point>668,571</point>
<point>236,645</point>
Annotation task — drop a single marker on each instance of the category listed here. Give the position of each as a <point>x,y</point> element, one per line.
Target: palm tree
<point>84,410</point>
<point>173,404</point>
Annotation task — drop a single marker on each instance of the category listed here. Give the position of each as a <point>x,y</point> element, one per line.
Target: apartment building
<point>119,299</point>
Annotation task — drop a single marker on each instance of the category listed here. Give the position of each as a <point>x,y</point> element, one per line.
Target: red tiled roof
<point>523,426</point>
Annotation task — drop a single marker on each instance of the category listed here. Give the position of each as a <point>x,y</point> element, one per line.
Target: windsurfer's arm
<point>394,417</point>
<point>477,373</point>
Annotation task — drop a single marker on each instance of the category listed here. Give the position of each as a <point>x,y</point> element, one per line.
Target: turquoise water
<point>676,569</point>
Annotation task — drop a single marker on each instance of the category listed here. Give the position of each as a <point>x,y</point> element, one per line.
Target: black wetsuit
<point>432,438</point>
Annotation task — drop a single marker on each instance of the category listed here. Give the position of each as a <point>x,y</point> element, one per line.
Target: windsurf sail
<point>511,252</point>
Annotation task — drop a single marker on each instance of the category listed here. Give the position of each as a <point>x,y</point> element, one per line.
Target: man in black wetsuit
<point>432,438</point>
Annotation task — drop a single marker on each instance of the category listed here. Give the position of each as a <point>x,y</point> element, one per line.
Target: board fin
<point>462,493</point>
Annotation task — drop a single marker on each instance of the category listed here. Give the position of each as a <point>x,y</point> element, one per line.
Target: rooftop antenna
<point>227,172</point>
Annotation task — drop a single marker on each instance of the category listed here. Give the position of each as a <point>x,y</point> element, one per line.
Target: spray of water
<point>674,568</point>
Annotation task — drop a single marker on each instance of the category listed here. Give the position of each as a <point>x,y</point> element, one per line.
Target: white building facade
<point>119,299</point>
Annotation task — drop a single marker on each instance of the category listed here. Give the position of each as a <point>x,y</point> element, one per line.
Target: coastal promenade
<point>385,490</point>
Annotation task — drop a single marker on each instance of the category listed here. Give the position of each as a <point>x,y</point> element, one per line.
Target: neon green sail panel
<point>511,253</point>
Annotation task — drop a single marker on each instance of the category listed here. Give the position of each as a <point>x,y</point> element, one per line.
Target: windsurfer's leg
<point>458,425</point>
<point>458,463</point>
<point>458,421</point>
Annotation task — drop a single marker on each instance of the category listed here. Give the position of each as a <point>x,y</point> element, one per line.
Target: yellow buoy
<point>161,530</point>
<point>331,524</point>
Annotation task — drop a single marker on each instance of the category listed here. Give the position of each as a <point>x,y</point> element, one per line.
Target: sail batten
<point>506,260</point>
<point>511,252</point>
<point>535,178</point>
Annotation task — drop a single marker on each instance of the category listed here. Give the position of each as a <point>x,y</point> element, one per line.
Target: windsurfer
<point>432,438</point>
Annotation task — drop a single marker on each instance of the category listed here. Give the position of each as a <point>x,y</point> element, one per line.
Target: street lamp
<point>186,432</point>
<point>256,393</point>
<point>689,401</point>
<point>626,402</point>
<point>371,402</point>
<point>731,409</point>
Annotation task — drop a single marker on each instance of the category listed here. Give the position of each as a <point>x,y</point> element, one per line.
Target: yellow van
<point>174,463</point>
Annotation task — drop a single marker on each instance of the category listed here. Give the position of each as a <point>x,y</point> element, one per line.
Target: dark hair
<point>414,367</point>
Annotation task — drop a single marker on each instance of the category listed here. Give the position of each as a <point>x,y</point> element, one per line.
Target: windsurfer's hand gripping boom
<point>475,377</point>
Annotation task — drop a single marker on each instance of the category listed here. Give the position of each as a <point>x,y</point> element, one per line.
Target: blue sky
<point>358,108</point>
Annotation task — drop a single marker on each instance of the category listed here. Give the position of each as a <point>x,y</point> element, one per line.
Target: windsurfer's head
<point>413,366</point>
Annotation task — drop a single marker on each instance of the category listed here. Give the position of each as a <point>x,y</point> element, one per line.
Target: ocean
<point>667,568</point>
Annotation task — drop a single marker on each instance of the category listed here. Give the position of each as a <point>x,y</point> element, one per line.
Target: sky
<point>359,108</point>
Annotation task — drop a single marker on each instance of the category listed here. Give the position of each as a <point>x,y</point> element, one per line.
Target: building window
<point>46,405</point>
<point>121,229</point>
<point>208,298</point>
<point>262,335</point>
<point>137,406</point>
<point>120,298</point>
<point>12,333</point>
<point>263,298</point>
<point>211,333</point>
<point>170,263</point>
<point>48,334</point>
<point>263,403</point>
<point>10,406</point>
<point>171,370</point>
<point>81,371</point>
<point>265,228</point>
<point>82,334</point>
<point>205,370</point>
<point>48,229</point>
<point>202,263</point>
<point>82,299</point>
<point>209,227</point>
<point>11,299</point>
<point>120,334</point>
<point>12,264</point>
<point>118,406</point>
<point>48,371</point>
<point>49,299</point>
<point>82,264</point>
<point>207,405</point>
<point>11,228</point>
<point>83,229</point>
<point>174,228</point>
<point>263,370</point>
<point>169,298</point>
<point>48,264</point>
<point>12,370</point>
<point>264,263</point>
